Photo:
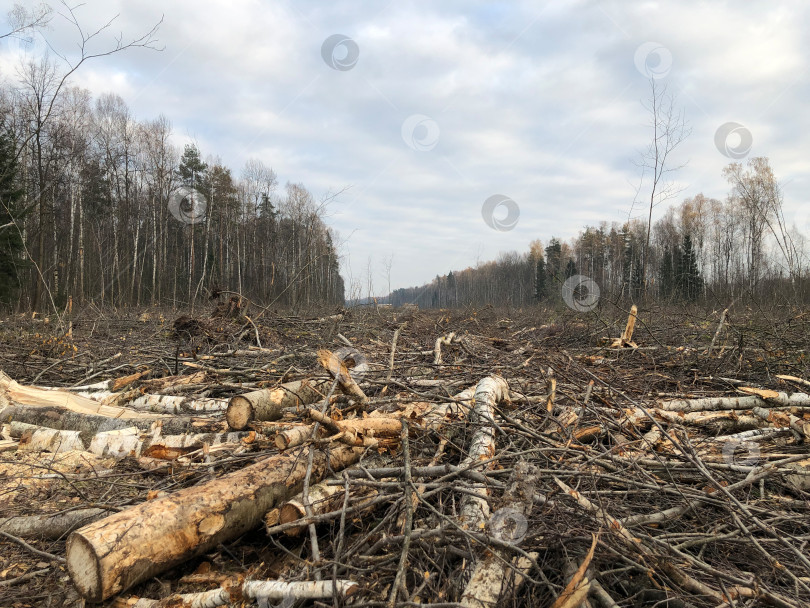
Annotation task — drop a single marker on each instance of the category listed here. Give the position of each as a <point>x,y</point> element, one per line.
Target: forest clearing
<point>398,457</point>
<point>451,305</point>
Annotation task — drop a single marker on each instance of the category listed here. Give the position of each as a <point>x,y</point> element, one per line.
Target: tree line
<point>702,249</point>
<point>94,206</point>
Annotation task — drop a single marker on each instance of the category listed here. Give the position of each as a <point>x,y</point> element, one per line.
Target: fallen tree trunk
<point>17,394</point>
<point>119,551</point>
<point>262,591</point>
<point>49,526</point>
<point>338,370</point>
<point>89,425</point>
<point>117,443</point>
<point>737,403</point>
<point>488,393</point>
<point>323,498</point>
<point>490,577</point>
<point>309,590</point>
<point>176,404</point>
<point>39,439</point>
<point>270,403</point>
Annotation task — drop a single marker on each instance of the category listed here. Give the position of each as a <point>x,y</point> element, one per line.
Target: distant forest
<point>703,249</point>
<point>97,205</point>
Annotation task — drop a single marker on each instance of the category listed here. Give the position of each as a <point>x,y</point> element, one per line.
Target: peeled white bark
<point>489,392</point>
<point>309,590</point>
<point>736,403</point>
<point>437,347</point>
<point>257,590</point>
<point>491,575</point>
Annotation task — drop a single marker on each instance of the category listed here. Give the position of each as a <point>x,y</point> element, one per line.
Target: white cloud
<point>540,102</point>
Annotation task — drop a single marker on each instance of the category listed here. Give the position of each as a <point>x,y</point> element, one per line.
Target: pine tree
<point>554,259</point>
<point>192,169</point>
<point>666,275</point>
<point>11,244</point>
<point>691,281</point>
<point>570,268</point>
<point>451,289</point>
<point>540,280</point>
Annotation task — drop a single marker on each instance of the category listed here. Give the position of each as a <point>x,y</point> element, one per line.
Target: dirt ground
<point>753,537</point>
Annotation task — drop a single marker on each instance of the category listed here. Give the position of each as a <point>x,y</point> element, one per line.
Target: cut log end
<point>239,413</point>
<point>84,568</point>
<point>289,512</point>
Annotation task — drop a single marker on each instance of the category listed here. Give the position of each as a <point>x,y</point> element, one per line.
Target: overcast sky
<point>424,110</point>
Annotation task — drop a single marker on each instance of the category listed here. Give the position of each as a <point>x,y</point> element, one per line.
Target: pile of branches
<point>464,469</point>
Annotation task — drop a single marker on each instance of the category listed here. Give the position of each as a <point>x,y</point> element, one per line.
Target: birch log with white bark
<point>89,425</point>
<point>437,347</point>
<point>176,404</point>
<point>489,392</point>
<point>121,550</point>
<point>737,403</point>
<point>491,575</point>
<point>255,590</point>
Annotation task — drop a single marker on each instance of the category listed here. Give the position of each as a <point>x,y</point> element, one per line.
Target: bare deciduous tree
<point>669,130</point>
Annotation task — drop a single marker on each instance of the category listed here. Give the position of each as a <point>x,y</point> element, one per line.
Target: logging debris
<point>531,463</point>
